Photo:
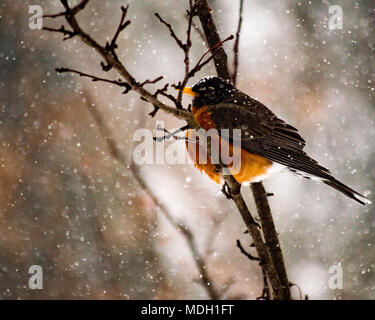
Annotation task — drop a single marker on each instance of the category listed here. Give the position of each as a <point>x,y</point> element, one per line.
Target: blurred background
<point>68,205</point>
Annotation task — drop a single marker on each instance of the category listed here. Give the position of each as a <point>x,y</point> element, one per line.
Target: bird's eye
<point>205,90</point>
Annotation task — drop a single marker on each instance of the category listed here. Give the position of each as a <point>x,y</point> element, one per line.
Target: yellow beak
<point>187,90</point>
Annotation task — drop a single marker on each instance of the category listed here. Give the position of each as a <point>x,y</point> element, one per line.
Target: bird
<point>268,144</point>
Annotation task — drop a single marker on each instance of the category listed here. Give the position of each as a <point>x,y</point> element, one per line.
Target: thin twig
<point>67,34</point>
<point>206,280</point>
<point>270,234</point>
<point>122,25</point>
<point>221,65</point>
<point>245,253</point>
<point>188,45</point>
<point>112,61</point>
<point>213,38</point>
<point>148,81</point>
<point>217,223</point>
<point>79,7</point>
<point>116,153</point>
<point>299,290</point>
<point>200,32</point>
<point>163,92</point>
<point>266,289</point>
<point>172,134</point>
<point>119,82</point>
<point>173,34</point>
<point>214,50</point>
<point>236,45</point>
<point>184,46</point>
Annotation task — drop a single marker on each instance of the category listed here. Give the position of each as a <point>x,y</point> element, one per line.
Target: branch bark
<point>236,45</point>
<point>213,38</point>
<point>270,234</point>
<point>206,280</point>
<point>269,251</point>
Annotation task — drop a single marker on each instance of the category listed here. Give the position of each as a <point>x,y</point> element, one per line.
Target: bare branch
<point>122,25</point>
<point>173,34</point>
<point>148,81</point>
<point>205,278</point>
<point>172,134</point>
<point>236,45</point>
<point>266,295</point>
<point>199,31</point>
<point>201,64</point>
<point>213,38</point>
<point>270,234</point>
<point>67,34</point>
<point>79,7</point>
<point>163,92</point>
<point>299,290</point>
<point>184,46</point>
<point>269,258</point>
<point>280,289</point>
<point>265,292</point>
<point>119,82</point>
<point>104,131</point>
<point>190,14</point>
<point>111,61</point>
<point>245,253</point>
<point>185,231</point>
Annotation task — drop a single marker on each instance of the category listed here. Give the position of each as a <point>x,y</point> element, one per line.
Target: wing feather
<point>264,134</point>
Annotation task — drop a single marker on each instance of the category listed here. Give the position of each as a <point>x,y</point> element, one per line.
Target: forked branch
<point>269,260</point>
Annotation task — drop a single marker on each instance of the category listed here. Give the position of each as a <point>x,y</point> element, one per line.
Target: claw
<point>226,190</point>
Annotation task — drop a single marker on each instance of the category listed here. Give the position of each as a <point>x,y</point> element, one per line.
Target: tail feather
<point>347,191</point>
<point>334,183</point>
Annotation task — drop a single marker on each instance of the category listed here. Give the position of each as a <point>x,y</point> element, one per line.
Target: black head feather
<point>212,90</point>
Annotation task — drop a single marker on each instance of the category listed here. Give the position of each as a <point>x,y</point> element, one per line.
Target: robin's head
<point>209,91</point>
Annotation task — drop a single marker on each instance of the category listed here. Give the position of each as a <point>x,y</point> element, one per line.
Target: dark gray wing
<point>264,134</point>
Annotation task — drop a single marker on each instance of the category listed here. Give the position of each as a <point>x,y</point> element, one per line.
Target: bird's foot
<point>226,190</point>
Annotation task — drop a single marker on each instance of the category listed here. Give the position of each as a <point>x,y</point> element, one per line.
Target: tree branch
<point>245,253</point>
<point>200,64</point>
<point>119,82</point>
<point>236,45</point>
<point>206,280</point>
<point>279,286</point>
<point>213,38</point>
<point>107,52</point>
<point>122,25</point>
<point>79,7</point>
<point>270,234</point>
<point>266,291</point>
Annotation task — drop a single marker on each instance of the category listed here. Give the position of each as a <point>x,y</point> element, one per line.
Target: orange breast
<point>252,165</point>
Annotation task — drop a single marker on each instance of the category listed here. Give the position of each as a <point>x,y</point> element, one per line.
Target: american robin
<point>268,144</point>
